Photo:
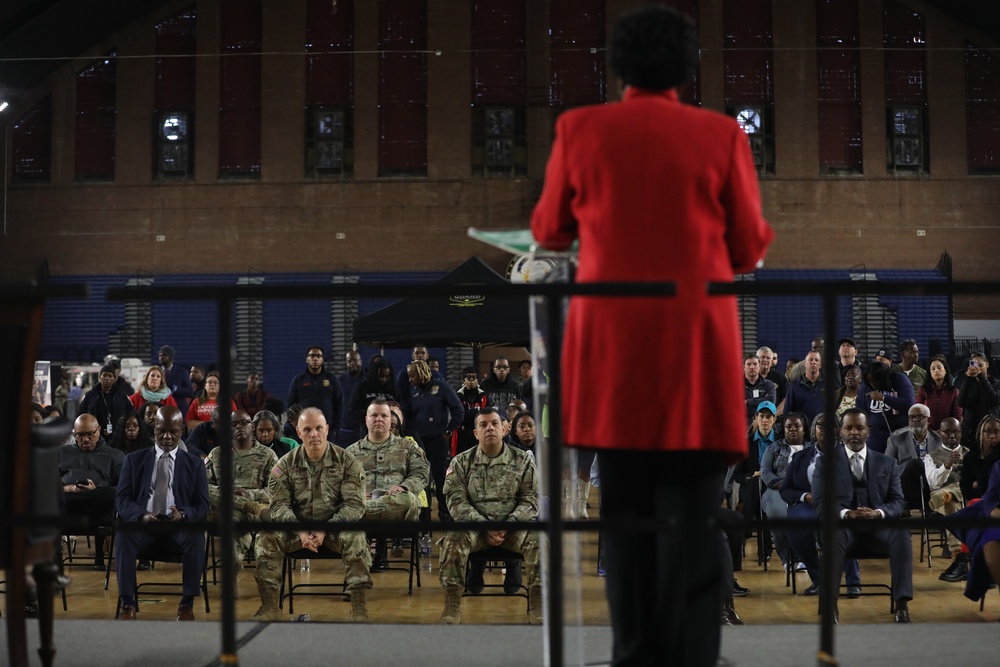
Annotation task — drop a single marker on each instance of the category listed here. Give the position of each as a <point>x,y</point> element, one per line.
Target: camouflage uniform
<point>478,488</point>
<point>395,462</point>
<point>331,489</point>
<point>251,469</point>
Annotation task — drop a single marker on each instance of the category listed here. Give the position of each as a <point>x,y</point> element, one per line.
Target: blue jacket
<point>806,397</point>
<point>888,415</point>
<point>319,391</point>
<point>433,409</point>
<point>135,489</point>
<point>975,538</point>
<point>796,480</point>
<point>884,490</point>
<point>179,381</point>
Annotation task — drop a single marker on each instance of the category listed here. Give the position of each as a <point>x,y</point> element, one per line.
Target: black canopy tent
<point>463,318</point>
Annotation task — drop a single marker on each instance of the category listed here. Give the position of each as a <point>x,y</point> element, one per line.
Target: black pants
<point>99,508</point>
<point>911,479</point>
<point>438,451</point>
<point>663,588</point>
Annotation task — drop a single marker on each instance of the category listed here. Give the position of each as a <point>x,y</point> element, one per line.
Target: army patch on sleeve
<point>448,471</point>
<point>277,472</point>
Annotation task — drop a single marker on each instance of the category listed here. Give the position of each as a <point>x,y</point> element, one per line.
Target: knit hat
<point>169,351</point>
<point>107,369</point>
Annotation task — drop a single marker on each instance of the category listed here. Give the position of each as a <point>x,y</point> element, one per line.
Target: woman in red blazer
<point>656,191</point>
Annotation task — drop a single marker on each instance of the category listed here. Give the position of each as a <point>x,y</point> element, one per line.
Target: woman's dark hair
<point>518,418</point>
<point>654,47</point>
<point>947,371</point>
<point>142,441</point>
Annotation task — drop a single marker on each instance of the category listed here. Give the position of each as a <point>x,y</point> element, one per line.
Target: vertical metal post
<point>554,482</point>
<point>223,440</point>
<point>830,569</point>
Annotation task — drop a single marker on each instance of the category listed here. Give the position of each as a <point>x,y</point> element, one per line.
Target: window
<point>576,45</point>
<point>498,88</point>
<point>329,149</point>
<point>747,68</point>
<point>402,88</point>
<point>329,88</point>
<point>838,64</point>
<point>240,89</point>
<point>982,111</point>
<point>95,120</point>
<point>173,132</point>
<point>690,92</point>
<point>904,46</point>
<point>31,144</point>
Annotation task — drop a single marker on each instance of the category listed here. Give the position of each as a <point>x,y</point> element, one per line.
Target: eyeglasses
<point>85,434</point>
<point>472,376</point>
<point>918,418</point>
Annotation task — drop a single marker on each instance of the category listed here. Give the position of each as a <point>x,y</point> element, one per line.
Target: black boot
<point>512,580</point>
<point>474,579</point>
<point>381,561</point>
<point>958,570</point>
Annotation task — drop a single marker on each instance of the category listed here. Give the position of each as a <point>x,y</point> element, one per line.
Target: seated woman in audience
<point>267,429</point>
<point>772,472</point>
<point>131,434</point>
<point>983,542</point>
<point>939,393</point>
<point>522,431</point>
<point>152,390</point>
<point>201,407</point>
<point>847,396</point>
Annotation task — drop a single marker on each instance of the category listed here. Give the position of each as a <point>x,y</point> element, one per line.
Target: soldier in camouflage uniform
<point>317,481</point>
<point>396,470</point>
<point>252,465</point>
<point>492,482</point>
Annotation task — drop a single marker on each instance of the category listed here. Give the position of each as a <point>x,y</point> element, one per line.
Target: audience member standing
<point>500,386</point>
<point>176,379</point>
<point>318,388</point>
<point>939,393</point>
<point>106,403</point>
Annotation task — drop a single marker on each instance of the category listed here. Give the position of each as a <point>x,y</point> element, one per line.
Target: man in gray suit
<point>867,487</point>
<point>909,446</point>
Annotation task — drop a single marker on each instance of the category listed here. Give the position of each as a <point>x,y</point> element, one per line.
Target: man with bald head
<point>90,470</point>
<point>322,482</point>
<point>910,446</point>
<point>158,485</point>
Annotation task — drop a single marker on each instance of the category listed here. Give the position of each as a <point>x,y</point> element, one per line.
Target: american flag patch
<point>277,472</point>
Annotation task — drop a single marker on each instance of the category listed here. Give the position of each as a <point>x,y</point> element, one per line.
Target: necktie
<point>162,483</point>
<point>857,467</point>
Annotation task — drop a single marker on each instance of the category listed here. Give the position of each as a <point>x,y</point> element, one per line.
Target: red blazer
<point>656,191</point>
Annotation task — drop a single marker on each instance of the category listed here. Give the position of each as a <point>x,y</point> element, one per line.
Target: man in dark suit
<point>867,487</point>
<point>796,491</point>
<point>162,484</point>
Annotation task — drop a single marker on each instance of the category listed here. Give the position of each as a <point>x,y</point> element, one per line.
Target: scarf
<point>151,396</point>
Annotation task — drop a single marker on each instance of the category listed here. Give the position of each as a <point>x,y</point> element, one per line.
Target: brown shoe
<point>185,613</point>
<point>128,614</point>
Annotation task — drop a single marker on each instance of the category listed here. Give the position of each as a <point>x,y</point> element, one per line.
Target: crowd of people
<point>908,440</point>
<point>150,455</point>
<point>394,440</point>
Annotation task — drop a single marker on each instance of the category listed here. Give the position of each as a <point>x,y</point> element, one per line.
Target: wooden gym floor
<point>769,602</point>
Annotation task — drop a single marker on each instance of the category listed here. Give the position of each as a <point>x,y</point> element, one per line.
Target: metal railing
<point>554,526</point>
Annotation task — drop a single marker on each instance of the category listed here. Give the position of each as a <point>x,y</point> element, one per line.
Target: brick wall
<point>286,222</point>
